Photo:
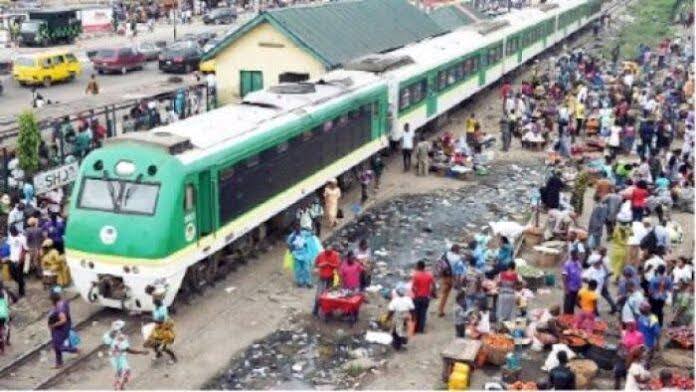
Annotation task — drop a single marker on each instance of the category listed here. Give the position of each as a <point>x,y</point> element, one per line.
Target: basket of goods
<point>600,326</point>
<point>497,346</point>
<point>546,257</point>
<point>534,277</point>
<point>566,320</point>
<point>575,339</point>
<point>585,370</point>
<point>532,236</point>
<point>679,382</point>
<point>522,386</point>
<point>681,336</point>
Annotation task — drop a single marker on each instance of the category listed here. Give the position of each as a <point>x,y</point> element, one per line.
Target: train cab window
<point>189,198</point>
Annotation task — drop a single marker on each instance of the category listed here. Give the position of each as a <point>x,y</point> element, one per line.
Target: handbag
<point>73,339</point>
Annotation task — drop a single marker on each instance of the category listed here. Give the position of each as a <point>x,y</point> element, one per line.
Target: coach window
<point>441,80</point>
<point>417,92</point>
<point>404,98</point>
<point>252,161</point>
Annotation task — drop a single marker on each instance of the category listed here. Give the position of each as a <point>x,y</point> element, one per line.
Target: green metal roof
<point>450,17</point>
<point>341,31</point>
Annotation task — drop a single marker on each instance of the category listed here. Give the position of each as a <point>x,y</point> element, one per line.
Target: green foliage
<point>28,142</point>
<point>652,23</point>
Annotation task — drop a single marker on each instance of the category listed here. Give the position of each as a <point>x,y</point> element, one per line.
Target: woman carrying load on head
<point>162,336</point>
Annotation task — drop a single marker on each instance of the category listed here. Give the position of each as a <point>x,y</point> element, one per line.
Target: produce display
<point>527,271</point>
<point>682,336</point>
<point>498,341</point>
<point>523,386</point>
<point>680,382</point>
<point>567,321</point>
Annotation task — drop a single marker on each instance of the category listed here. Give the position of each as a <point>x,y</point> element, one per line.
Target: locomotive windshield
<point>119,196</point>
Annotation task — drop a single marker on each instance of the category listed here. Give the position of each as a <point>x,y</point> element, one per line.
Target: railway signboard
<point>55,178</point>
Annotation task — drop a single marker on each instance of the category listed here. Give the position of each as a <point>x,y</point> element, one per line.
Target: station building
<point>304,42</point>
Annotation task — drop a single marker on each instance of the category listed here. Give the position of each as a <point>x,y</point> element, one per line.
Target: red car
<point>118,60</point>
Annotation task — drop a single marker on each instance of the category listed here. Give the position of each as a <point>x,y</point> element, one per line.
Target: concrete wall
<point>261,49</point>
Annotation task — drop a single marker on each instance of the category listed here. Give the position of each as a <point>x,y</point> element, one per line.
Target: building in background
<point>303,42</point>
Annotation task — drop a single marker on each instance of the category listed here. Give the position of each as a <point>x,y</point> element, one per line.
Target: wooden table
<point>459,350</point>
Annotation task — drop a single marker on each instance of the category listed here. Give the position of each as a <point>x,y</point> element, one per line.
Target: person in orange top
<point>326,264</point>
<point>587,301</point>
<point>423,288</point>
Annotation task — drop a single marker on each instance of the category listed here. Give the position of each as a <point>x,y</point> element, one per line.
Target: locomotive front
<point>120,237</point>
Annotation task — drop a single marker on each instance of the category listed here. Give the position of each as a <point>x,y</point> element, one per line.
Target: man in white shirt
<point>407,147</point>
<point>400,309</point>
<point>651,265</point>
<point>599,272</point>
<point>17,243</point>
<point>16,217</point>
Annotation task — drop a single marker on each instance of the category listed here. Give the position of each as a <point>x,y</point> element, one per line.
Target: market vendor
<point>326,267</point>
<point>684,305</point>
<point>548,322</point>
<point>350,271</point>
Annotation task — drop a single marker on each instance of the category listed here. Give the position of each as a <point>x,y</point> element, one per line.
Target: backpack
<point>443,268</point>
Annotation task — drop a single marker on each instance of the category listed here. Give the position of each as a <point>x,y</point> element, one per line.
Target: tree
<point>28,143</point>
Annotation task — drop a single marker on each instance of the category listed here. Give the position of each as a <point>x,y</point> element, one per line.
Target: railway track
<point>32,370</point>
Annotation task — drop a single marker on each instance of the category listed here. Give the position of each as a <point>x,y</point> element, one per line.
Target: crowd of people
<point>622,132</point>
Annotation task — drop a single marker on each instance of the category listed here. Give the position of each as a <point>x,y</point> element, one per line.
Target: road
<point>16,98</point>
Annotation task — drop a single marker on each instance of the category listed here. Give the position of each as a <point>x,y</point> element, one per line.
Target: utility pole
<point>175,16</point>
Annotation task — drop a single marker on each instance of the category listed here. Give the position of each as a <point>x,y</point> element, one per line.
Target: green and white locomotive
<point>166,206</point>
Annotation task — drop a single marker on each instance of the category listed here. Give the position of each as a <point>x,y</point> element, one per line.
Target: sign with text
<point>55,178</point>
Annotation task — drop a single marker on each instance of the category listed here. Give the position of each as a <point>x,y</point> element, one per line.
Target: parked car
<point>46,68</point>
<point>205,37</point>
<point>118,60</point>
<point>150,50</point>
<point>220,16</point>
<point>211,44</point>
<point>207,66</point>
<point>182,56</point>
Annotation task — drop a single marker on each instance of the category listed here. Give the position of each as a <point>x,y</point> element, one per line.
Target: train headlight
<point>83,263</point>
<point>135,270</point>
<point>125,168</point>
<point>91,265</point>
<point>126,269</point>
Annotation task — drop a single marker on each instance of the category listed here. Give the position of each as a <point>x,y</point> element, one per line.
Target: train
<point>172,206</point>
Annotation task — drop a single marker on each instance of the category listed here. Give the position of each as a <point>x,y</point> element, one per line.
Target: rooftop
<point>337,32</point>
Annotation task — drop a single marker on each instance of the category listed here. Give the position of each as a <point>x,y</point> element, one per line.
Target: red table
<point>349,305</point>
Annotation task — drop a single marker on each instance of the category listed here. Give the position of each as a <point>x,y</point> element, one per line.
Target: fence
<point>69,137</point>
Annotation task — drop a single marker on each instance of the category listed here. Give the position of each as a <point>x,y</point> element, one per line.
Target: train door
<point>205,203</point>
<point>431,104</point>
